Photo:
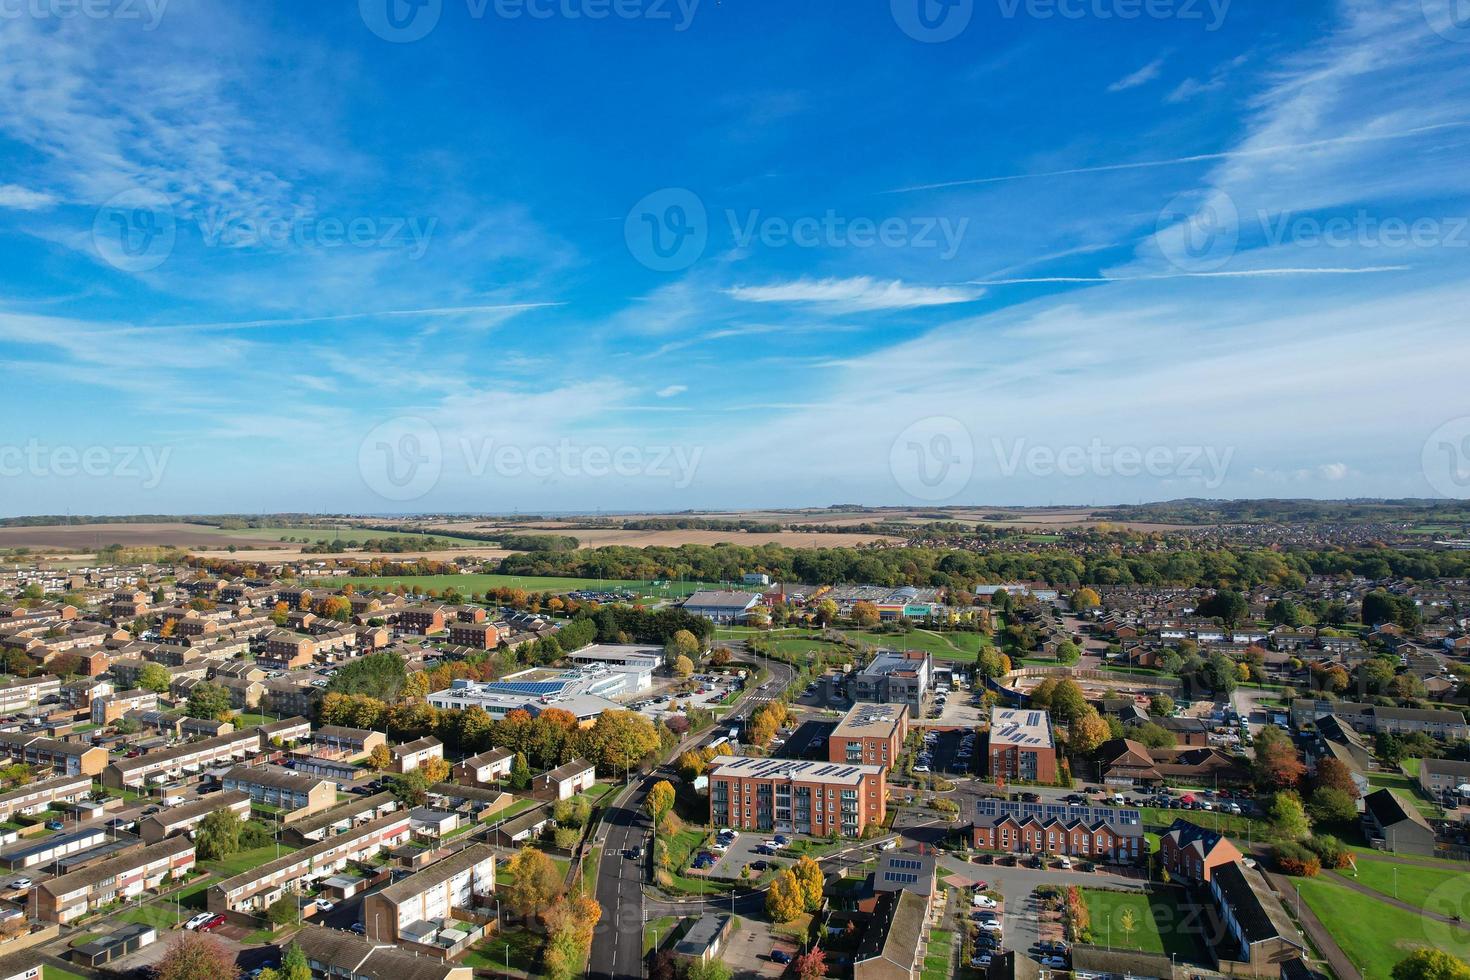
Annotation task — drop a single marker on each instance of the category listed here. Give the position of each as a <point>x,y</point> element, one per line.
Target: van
<point>173,801</point>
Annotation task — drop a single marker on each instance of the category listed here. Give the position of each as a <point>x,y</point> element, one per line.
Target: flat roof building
<point>1021,745</point>
<point>795,797</point>
<point>871,734</point>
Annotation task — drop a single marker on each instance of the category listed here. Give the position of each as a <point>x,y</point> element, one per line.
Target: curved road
<point>617,943</point>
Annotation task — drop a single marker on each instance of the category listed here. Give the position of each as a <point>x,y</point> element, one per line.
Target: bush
<point>1329,850</point>
<point>1297,860</point>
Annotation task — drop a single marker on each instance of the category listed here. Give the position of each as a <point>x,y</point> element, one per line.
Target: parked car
<point>196,921</point>
<point>322,905</point>
<point>983,960</point>
<point>21,883</point>
<point>358,928</point>
<point>780,956</point>
<point>215,921</point>
<point>1054,962</point>
<point>55,825</point>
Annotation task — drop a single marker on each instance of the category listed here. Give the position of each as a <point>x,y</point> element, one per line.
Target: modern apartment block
<point>870,734</point>
<point>74,895</point>
<point>416,908</point>
<point>895,677</point>
<point>1021,745</point>
<point>795,797</point>
<point>257,888</point>
<point>279,787</point>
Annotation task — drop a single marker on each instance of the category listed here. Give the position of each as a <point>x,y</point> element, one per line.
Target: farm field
<point>531,583</point>
<point>1373,934</point>
<point>89,537</point>
<point>671,538</point>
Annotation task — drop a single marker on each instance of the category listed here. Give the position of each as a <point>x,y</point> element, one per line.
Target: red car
<point>218,920</point>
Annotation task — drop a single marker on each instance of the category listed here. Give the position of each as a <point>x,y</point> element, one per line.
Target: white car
<point>982,960</point>
<point>1054,962</point>
<point>991,925</point>
<point>21,883</point>
<point>198,920</point>
<point>985,902</point>
<point>921,768</point>
<point>322,905</point>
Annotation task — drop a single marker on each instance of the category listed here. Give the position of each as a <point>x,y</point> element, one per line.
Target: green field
<point>337,532</point>
<point>1226,823</point>
<point>245,860</point>
<point>531,583</point>
<point>1150,923</point>
<point>940,955</point>
<point>1414,884</point>
<point>789,641</point>
<point>1372,934</point>
<point>521,946</point>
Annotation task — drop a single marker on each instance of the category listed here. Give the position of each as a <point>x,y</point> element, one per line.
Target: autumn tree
<point>683,666</point>
<point>294,965</point>
<point>784,900</point>
<point>1278,764</point>
<point>534,883</point>
<point>660,801</point>
<point>195,956</point>
<point>865,614</point>
<point>1334,774</point>
<point>809,876</point>
<point>721,657</point>
<point>435,770</point>
<point>682,644</point>
<point>1087,732</point>
<point>1431,964</point>
<point>1084,599</point>
<point>810,966</point>
<point>380,758</point>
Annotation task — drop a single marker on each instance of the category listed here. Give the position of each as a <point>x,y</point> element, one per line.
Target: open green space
<point>1406,789</point>
<point>49,972</point>
<point>939,956</point>
<point>1230,824</point>
<point>1373,934</point>
<point>531,583</point>
<point>160,915</point>
<point>1413,884</point>
<point>1151,923</point>
<point>942,646</point>
<point>657,932</point>
<point>243,861</point>
<point>521,946</point>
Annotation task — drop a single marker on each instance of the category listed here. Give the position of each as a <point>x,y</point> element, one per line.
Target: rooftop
<point>1030,728</point>
<point>869,720</point>
<point>813,772</point>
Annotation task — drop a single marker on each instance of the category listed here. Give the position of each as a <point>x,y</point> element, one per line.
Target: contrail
<point>1179,161</point>
<point>333,317</point>
<point>1241,274</point>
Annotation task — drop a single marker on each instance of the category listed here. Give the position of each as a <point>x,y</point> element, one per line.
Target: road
<point>617,945</point>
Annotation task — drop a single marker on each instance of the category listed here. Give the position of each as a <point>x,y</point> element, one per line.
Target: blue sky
<point>447,257</point>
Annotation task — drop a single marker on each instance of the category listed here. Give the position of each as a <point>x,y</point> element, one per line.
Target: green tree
<point>1330,805</point>
<point>1161,706</point>
<point>411,788</point>
<point>208,701</point>
<point>154,677</point>
<point>1288,817</point>
<point>520,773</point>
<point>218,834</point>
<point>711,969</point>
<point>294,965</point>
<point>284,910</point>
<point>682,644</point>
<point>1431,964</point>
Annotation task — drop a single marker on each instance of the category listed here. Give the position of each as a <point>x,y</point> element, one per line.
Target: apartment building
<point>348,743</point>
<point>421,620</point>
<point>27,692</point>
<point>484,768</point>
<point>111,707</point>
<point>870,734</point>
<point>1444,723</point>
<point>191,757</point>
<point>795,797</point>
<point>411,755</point>
<point>67,758</point>
<point>182,819</point>
<point>37,796</point>
<point>350,813</point>
<point>416,908</point>
<point>1261,936</point>
<point>479,636</point>
<point>285,650</point>
<point>279,787</point>
<point>895,677</point>
<point>1021,745</point>
<point>73,895</point>
<point>257,888</point>
<point>1089,833</point>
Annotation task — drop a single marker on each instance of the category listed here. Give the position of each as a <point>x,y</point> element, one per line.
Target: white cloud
<point>1143,76</point>
<point>861,293</point>
<point>1333,471</point>
<point>672,390</point>
<point>18,198</point>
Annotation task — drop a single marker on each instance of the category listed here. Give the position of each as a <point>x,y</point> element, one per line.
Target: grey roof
<point>113,867</point>
<point>897,927</point>
<point>1389,809</point>
<point>707,929</point>
<point>899,871</point>
<point>1121,962</point>
<point>275,777</point>
<point>1253,904</point>
<point>363,958</point>
<point>436,873</point>
<point>346,810</point>
<point>200,808</point>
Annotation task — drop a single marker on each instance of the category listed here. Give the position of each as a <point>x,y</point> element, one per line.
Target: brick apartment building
<point>478,636</point>
<point>285,650</point>
<point>421,620</point>
<point>1021,745</point>
<point>801,797</point>
<point>1087,833</point>
<point>870,734</point>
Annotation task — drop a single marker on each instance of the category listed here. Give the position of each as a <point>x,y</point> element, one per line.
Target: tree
<point>520,773</point>
<point>1278,763</point>
<point>1161,706</point>
<point>708,970</point>
<point>411,788</point>
<point>294,965</point>
<point>284,910</point>
<point>380,759</point>
<point>534,882</point>
<point>660,801</point>
<point>1084,599</point>
<point>435,770</point>
<point>1068,652</point>
<point>194,956</point>
<point>1333,774</point>
<point>683,666</point>
<point>721,657</point>
<point>1330,805</point>
<point>826,612</point>
<point>1431,964</point>
<point>208,701</point>
<point>865,614</point>
<point>810,966</point>
<point>1284,612</point>
<point>1067,701</point>
<point>154,677</point>
<point>1087,732</point>
<point>1226,605</point>
<point>809,876</point>
<point>682,644</point>
<point>784,900</point>
<point>1288,817</point>
<point>218,834</point>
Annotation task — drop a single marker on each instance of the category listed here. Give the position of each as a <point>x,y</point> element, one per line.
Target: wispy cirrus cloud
<point>1142,76</point>
<point>17,198</point>
<point>858,294</point>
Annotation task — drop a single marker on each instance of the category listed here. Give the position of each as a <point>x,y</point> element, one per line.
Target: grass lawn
<point>243,861</point>
<point>246,718</point>
<point>160,915</point>
<point>941,953</point>
<point>1375,936</point>
<point>589,870</point>
<point>961,646</point>
<point>525,952</point>
<point>1411,883</point>
<point>1129,920</point>
<point>1227,823</point>
<point>49,972</point>
<point>1370,853</point>
<point>1407,789</point>
<point>519,806</point>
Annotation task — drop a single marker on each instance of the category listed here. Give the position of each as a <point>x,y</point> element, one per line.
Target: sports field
<point>531,583</point>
